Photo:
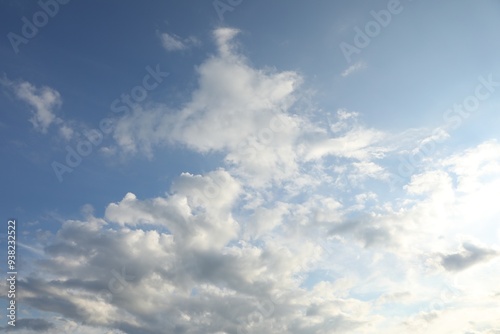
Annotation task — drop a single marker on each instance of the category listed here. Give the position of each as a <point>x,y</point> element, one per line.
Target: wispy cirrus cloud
<point>172,42</point>
<point>354,68</point>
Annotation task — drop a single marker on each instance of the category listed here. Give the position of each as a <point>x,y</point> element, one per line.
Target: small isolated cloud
<point>469,255</point>
<point>66,131</point>
<point>353,68</point>
<point>44,101</point>
<point>172,42</point>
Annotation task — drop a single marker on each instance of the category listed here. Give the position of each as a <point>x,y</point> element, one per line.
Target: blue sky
<point>247,174</point>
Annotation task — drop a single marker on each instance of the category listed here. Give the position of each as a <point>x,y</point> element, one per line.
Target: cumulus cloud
<point>198,276</point>
<point>470,255</point>
<point>236,109</point>
<point>232,103</point>
<point>201,260</point>
<point>198,213</point>
<point>255,118</point>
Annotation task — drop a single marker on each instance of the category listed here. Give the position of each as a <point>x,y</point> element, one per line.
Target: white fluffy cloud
<point>248,114</point>
<point>236,109</point>
<point>199,278</point>
<point>201,260</point>
<point>198,213</point>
